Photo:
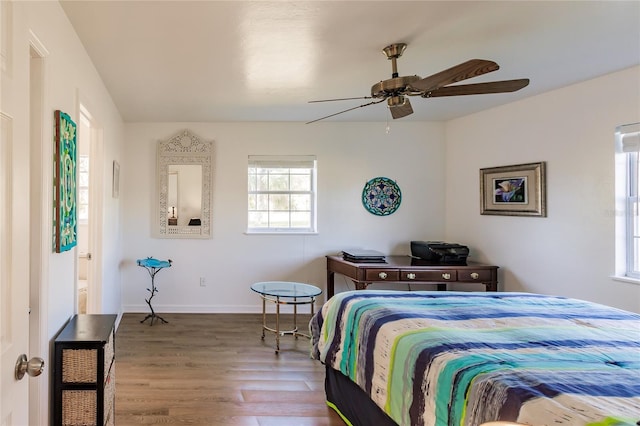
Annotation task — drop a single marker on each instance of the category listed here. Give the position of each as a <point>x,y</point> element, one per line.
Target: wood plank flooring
<point>214,369</point>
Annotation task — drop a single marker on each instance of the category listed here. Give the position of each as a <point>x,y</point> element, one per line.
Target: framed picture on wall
<point>116,180</point>
<point>65,234</point>
<point>518,190</point>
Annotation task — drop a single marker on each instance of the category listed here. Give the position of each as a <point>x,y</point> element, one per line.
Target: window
<point>628,201</point>
<point>83,189</point>
<point>282,194</point>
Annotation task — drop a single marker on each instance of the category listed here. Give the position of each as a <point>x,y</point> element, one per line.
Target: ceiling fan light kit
<point>396,89</point>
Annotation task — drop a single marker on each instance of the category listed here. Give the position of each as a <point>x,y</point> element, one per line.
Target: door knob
<point>33,367</point>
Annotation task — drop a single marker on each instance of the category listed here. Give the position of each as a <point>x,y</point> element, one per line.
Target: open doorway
<point>85,161</point>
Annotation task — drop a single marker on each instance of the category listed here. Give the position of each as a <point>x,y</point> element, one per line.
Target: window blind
<point>628,138</point>
<point>284,162</point>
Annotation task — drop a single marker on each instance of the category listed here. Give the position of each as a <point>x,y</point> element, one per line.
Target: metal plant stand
<point>153,266</point>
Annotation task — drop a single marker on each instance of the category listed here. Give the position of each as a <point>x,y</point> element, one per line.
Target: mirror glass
<point>184,187</point>
<point>184,195</point>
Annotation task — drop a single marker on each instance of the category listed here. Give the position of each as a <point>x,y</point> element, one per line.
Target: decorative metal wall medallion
<point>381,196</point>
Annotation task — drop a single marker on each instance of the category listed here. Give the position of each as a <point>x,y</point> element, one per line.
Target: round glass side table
<point>285,293</point>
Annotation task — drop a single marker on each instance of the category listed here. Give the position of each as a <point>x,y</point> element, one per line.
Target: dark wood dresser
<point>84,371</point>
<point>406,269</point>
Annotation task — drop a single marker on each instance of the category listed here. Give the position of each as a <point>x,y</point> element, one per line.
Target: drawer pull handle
<point>411,276</point>
<point>475,275</point>
<point>446,276</point>
<point>383,275</point>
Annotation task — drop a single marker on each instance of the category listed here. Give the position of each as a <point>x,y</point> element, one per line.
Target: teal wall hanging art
<point>64,184</point>
<point>381,196</point>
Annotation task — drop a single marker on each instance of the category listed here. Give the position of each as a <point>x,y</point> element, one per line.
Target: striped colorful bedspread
<point>464,358</point>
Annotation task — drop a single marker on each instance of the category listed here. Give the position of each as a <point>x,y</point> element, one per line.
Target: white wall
<point>570,252</point>
<point>348,155</point>
<point>69,77</point>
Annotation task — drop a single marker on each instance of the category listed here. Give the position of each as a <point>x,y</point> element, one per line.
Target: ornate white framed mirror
<point>183,176</point>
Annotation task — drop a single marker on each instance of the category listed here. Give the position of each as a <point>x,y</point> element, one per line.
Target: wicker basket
<point>79,407</point>
<point>79,365</point>
<point>109,397</point>
<point>108,352</point>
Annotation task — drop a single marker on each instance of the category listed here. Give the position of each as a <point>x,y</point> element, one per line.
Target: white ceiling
<point>263,61</point>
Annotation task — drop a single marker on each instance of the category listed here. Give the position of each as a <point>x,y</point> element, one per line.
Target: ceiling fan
<point>397,89</point>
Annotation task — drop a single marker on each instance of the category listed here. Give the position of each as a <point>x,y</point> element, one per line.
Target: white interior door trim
<point>96,195</point>
<point>41,219</point>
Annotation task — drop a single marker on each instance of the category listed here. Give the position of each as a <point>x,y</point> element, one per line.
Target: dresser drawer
<point>480,275</point>
<point>381,275</point>
<point>443,275</point>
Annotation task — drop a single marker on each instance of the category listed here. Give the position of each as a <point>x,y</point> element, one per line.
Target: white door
<point>14,236</point>
<point>14,272</point>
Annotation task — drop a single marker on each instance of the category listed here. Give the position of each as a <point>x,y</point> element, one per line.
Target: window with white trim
<point>282,194</point>
<point>83,189</point>
<point>628,201</point>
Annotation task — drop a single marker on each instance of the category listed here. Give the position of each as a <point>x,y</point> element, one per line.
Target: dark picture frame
<point>518,190</point>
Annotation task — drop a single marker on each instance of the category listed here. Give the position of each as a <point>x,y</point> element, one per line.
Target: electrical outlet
<point>203,282</point>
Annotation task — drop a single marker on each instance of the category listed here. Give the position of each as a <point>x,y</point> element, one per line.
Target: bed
<point>466,358</point>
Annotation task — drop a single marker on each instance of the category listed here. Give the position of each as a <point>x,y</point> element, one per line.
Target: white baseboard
<point>214,309</point>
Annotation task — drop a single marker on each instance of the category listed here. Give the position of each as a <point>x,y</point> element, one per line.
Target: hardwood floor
<point>213,369</point>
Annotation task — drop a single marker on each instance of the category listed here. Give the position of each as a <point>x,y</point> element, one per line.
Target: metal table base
<point>284,301</point>
<point>285,293</point>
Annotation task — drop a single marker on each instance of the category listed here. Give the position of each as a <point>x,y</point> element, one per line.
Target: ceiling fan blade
<point>346,110</point>
<point>402,110</point>
<point>471,68</point>
<point>479,88</point>
<point>341,99</point>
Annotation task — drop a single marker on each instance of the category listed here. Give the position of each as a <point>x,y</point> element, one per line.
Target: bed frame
<point>352,403</point>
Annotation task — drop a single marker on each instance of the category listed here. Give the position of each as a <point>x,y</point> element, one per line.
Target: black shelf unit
<point>84,372</point>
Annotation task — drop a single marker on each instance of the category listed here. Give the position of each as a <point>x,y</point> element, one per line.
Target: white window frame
<point>84,221</point>
<point>627,182</point>
<point>284,162</point>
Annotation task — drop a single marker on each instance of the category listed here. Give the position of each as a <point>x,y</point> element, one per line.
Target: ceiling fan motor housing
<point>394,86</point>
<point>396,101</point>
